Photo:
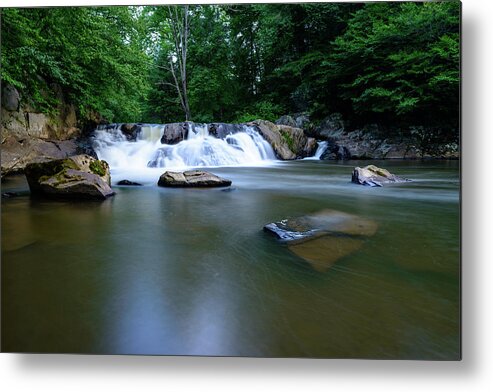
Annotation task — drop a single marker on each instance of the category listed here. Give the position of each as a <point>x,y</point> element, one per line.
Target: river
<point>190,271</point>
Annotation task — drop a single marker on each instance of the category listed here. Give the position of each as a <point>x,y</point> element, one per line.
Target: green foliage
<point>261,110</point>
<point>289,140</point>
<point>398,63</point>
<point>97,168</point>
<point>94,54</point>
<point>390,63</point>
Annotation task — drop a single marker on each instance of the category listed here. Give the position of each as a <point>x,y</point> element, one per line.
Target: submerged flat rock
<point>372,175</point>
<point>321,253</point>
<point>323,237</point>
<point>128,183</point>
<point>192,178</point>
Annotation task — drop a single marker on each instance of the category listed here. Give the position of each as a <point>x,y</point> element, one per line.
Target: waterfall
<point>197,147</point>
<point>322,146</point>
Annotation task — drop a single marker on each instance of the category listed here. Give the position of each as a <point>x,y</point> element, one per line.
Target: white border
<point>474,373</point>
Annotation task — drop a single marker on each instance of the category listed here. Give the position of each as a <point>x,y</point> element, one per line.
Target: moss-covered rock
<point>97,168</point>
<point>288,142</point>
<point>80,176</point>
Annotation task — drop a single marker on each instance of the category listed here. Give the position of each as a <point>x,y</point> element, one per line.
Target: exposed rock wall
<point>28,135</point>
<point>373,142</point>
<point>288,142</point>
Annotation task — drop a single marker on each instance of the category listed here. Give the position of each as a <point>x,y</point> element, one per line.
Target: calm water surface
<point>187,271</point>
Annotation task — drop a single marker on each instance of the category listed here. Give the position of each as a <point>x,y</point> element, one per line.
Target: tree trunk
<point>180,31</point>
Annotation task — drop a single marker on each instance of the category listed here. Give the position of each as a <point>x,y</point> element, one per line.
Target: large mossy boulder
<point>322,238</point>
<point>76,177</point>
<point>192,179</point>
<point>372,175</point>
<point>288,142</point>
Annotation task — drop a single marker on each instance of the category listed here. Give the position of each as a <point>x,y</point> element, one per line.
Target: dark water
<point>183,271</point>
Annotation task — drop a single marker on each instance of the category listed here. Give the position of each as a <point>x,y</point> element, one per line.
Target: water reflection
<point>173,271</point>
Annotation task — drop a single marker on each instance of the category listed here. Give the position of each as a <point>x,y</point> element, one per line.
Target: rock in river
<point>128,183</point>
<point>323,237</point>
<point>192,178</point>
<point>374,176</point>
<point>78,177</point>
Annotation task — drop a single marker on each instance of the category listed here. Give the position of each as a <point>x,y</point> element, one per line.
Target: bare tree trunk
<point>180,31</point>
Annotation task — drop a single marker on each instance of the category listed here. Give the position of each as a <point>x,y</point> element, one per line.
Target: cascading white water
<point>322,146</point>
<point>246,148</point>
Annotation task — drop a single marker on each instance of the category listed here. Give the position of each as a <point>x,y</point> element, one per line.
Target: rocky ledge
<point>77,177</point>
<point>192,178</point>
<point>324,237</point>
<point>287,142</point>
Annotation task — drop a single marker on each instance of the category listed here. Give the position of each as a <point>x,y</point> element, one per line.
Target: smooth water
<point>190,271</point>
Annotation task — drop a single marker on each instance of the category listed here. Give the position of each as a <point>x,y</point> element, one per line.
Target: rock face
<point>373,142</point>
<point>310,147</point>
<point>10,98</point>
<point>131,131</point>
<point>221,130</point>
<point>288,142</point>
<point>297,120</point>
<point>174,133</point>
<point>323,237</point>
<point>77,177</point>
<point>192,178</point>
<point>374,176</point>
<point>16,154</point>
<point>30,136</point>
<point>22,121</point>
<point>332,126</point>
<point>335,152</point>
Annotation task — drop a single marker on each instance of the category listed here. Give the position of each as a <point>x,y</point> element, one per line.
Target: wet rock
<point>192,178</point>
<point>323,237</point>
<point>321,253</point>
<point>131,131</point>
<point>9,195</point>
<point>335,151</point>
<point>374,176</point>
<point>159,157</point>
<point>221,130</point>
<point>288,142</point>
<point>85,145</point>
<point>78,177</point>
<point>128,183</point>
<point>175,133</point>
<point>310,147</point>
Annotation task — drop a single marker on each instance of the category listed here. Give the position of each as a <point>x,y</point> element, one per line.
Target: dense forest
<point>386,63</point>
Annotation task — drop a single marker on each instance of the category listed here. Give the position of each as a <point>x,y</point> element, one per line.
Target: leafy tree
<point>394,64</point>
<point>94,54</point>
<point>398,63</point>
